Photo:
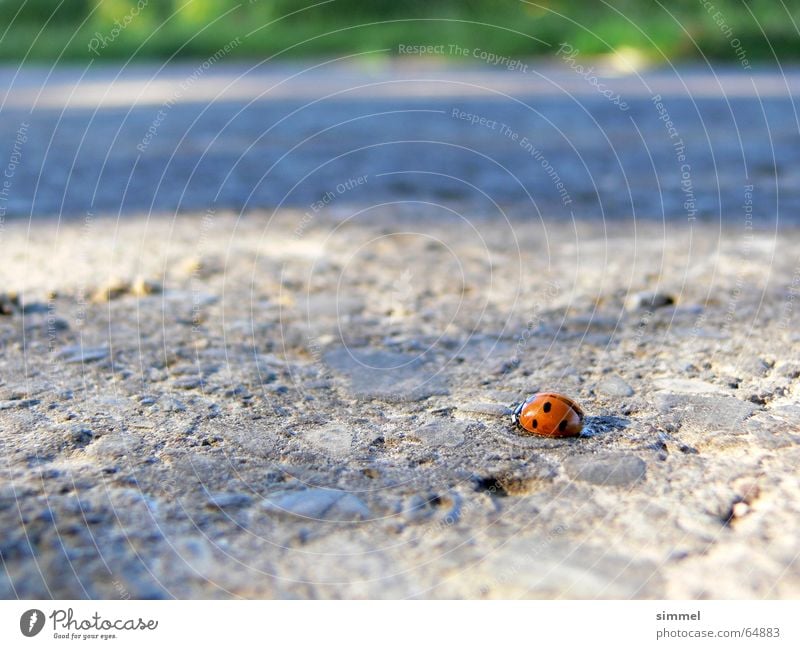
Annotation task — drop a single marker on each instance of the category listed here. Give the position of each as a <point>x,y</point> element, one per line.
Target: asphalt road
<point>113,139</point>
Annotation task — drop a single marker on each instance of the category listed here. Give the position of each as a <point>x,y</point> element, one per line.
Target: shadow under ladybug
<point>594,426</point>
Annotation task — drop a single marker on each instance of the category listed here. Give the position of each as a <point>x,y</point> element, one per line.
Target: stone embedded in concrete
<point>389,376</point>
<point>614,386</point>
<point>606,470</point>
<point>318,504</point>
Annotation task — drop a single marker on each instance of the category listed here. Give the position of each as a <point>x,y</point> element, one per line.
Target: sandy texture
<point>284,406</point>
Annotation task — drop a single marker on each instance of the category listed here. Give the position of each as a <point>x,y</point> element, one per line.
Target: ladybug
<point>549,414</point>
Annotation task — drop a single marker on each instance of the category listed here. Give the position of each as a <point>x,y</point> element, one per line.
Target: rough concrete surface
<point>241,407</point>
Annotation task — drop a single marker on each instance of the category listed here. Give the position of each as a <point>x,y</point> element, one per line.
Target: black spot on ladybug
<point>547,406</point>
<point>535,423</point>
<point>562,425</point>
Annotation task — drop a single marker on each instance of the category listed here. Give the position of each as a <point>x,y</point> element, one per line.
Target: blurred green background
<point>51,30</point>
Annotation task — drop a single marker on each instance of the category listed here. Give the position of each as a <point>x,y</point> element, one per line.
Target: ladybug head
<point>516,413</point>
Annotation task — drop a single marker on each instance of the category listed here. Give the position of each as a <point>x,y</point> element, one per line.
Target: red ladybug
<point>549,414</point>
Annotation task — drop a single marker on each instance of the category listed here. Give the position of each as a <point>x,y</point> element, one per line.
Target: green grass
<point>343,27</point>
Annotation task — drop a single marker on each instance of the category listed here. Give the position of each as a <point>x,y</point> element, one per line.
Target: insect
<point>549,414</point>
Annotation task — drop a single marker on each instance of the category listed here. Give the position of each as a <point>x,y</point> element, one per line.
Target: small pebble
<point>9,303</point>
<point>142,287</point>
<point>168,404</point>
<point>112,290</point>
<point>647,300</point>
<point>188,383</point>
<point>18,403</point>
<point>614,386</point>
<point>81,435</point>
<point>739,509</point>
<point>446,433</point>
